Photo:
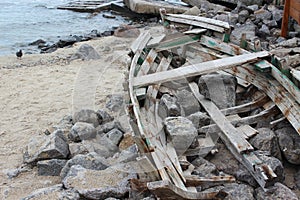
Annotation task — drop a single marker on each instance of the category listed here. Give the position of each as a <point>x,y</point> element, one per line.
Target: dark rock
<point>65,124</point>
<point>50,167</point>
<point>219,88</point>
<point>204,168</point>
<point>82,131</point>
<point>125,156</point>
<point>266,140</point>
<point>289,143</point>
<point>49,49</point>
<point>199,119</point>
<point>115,102</point>
<point>187,102</point>
<point>182,132</point>
<point>233,18</point>
<point>278,191</point>
<point>53,192</point>
<point>264,31</point>
<point>104,116</point>
<point>86,52</point>
<point>252,2</point>
<point>94,184</point>
<point>38,42</point>
<point>243,175</point>
<point>270,23</point>
<point>243,16</point>
<point>89,161</point>
<point>107,33</point>
<point>46,147</point>
<point>297,179</point>
<point>168,106</point>
<point>108,126</point>
<point>115,135</point>
<point>277,15</point>
<point>107,15</point>
<point>86,115</point>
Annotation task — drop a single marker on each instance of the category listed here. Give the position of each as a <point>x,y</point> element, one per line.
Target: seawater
<point>25,21</point>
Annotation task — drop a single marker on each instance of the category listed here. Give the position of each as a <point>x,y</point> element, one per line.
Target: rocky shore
<point>52,149</point>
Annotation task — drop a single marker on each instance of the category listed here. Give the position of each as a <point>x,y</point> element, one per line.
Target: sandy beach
<point>37,91</point>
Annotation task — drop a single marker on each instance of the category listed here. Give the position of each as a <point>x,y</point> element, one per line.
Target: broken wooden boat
<point>172,62</point>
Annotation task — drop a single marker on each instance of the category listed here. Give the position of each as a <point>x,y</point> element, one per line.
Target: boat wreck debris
<point>163,65</point>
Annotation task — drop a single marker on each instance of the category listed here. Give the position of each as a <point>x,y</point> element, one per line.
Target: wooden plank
<point>197,69</point>
<point>205,146</point>
<point>155,41</point>
<point>285,102</point>
<point>148,62</point>
<point>246,107</point>
<point>146,170</point>
<point>202,19</point>
<point>140,42</point>
<point>167,191</point>
<point>178,41</point>
<point>285,19</point>
<point>229,133</point>
<point>218,45</point>
<point>213,128</point>
<point>196,23</point>
<point>247,130</point>
<point>196,31</point>
<point>295,14</point>
<point>196,181</point>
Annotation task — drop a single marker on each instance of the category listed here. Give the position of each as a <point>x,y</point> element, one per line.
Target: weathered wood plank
<point>148,62</point>
<point>247,130</point>
<point>202,19</point>
<point>278,94</point>
<point>197,69</point>
<point>195,23</point>
<point>140,42</point>
<point>193,180</point>
<point>176,41</point>
<point>167,191</point>
<point>230,134</point>
<point>196,31</point>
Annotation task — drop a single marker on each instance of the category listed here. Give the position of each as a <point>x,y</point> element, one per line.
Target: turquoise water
<point>24,21</point>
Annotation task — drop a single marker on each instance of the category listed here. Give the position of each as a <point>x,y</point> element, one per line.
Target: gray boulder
<point>204,168</point>
<point>264,31</point>
<point>219,88</point>
<point>82,131</point>
<point>249,28</point>
<point>86,115</point>
<point>278,191</point>
<point>98,184</point>
<point>297,179</point>
<point>86,52</point>
<point>263,14</point>
<point>243,16</point>
<point>51,167</point>
<point>89,161</point>
<point>53,192</point>
<point>115,103</point>
<point>108,126</point>
<point>104,116</point>
<point>199,119</point>
<point>46,147</point>
<point>187,102</point>
<point>77,148</point>
<point>289,143</point>
<point>115,135</point>
<point>181,131</point>
<point>266,140</point>
<point>168,106</point>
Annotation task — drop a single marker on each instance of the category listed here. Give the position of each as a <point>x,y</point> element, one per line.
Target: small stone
<point>46,147</point>
<point>199,119</point>
<point>263,14</point>
<point>115,102</point>
<point>115,135</point>
<point>289,143</point>
<point>204,168</point>
<point>168,106</point>
<point>243,16</point>
<point>77,148</point>
<point>108,126</point>
<point>278,191</point>
<point>50,167</point>
<point>270,23</point>
<point>266,140</point>
<point>89,161</point>
<point>98,184</point>
<point>53,192</point>
<point>82,131</point>
<point>86,115</point>
<point>264,31</point>
<point>181,131</point>
<point>104,116</point>
<point>187,102</point>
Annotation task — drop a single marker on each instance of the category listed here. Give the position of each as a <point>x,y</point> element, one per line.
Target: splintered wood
<point>155,65</point>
